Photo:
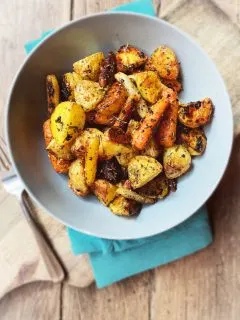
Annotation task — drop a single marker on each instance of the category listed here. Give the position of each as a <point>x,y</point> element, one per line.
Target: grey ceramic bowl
<point>27,111</point>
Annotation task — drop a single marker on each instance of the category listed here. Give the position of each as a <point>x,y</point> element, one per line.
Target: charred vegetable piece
<point>111,104</point>
<point>126,112</point>
<point>107,71</point>
<point>156,188</point>
<point>165,62</point>
<point>196,114</point>
<point>129,58</point>
<point>125,207</point>
<point>172,184</point>
<point>67,120</point>
<point>172,84</point>
<point>194,139</point>
<point>77,180</point>
<point>176,161</point>
<point>53,92</point>
<point>104,191</point>
<point>118,135</point>
<point>143,169</point>
<point>69,83</point>
<point>59,165</point>
<point>89,67</point>
<point>88,94</point>
<point>110,170</point>
<point>130,194</point>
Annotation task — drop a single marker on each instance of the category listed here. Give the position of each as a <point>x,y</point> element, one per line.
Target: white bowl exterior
<point>27,104</point>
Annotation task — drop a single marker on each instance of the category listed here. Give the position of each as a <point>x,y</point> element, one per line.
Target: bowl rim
<point>47,38</point>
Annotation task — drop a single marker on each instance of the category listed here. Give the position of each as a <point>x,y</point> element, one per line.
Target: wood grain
<point>205,286</point>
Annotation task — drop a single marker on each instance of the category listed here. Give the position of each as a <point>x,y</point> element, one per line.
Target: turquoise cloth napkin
<point>113,260</point>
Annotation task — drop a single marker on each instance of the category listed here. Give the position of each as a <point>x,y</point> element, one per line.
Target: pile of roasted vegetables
<point>118,129</point>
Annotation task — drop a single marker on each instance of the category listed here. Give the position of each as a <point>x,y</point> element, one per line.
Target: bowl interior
<point>27,111</point>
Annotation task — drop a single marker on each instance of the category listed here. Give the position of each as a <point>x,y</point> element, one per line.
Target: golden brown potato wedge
<point>88,94</point>
<point>176,161</point>
<point>129,58</point>
<point>77,180</point>
<point>196,114</point>
<point>53,92</point>
<point>111,105</point>
<point>165,62</point>
<point>125,207</point>
<point>89,67</point>
<point>104,191</point>
<point>148,84</point>
<point>91,158</point>
<point>143,169</point>
<point>194,139</point>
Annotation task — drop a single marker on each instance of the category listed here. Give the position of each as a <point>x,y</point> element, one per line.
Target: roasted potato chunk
<point>80,144</point>
<point>196,114</point>
<point>67,120</point>
<point>59,165</point>
<point>176,161</point>
<point>129,58</point>
<point>104,191</point>
<point>148,84</point>
<point>77,180</point>
<point>112,149</point>
<point>110,170</point>
<point>89,67</point>
<point>108,69</point>
<point>165,62</point>
<point>130,194</point>
<point>143,169</point>
<point>194,140</point>
<point>91,158</point>
<point>125,207</point>
<point>61,152</point>
<point>111,105</point>
<point>156,188</point>
<point>88,94</point>
<point>53,92</point>
<point>69,82</point>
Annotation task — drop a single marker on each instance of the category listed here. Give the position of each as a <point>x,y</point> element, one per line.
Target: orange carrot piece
<point>143,134</point>
<point>166,135</point>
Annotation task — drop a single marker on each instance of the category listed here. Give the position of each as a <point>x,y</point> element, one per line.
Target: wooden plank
<point>21,21</point>
<point>32,302</point>
<point>127,300</point>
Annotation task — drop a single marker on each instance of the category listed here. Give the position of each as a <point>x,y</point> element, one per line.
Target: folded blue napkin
<point>113,260</point>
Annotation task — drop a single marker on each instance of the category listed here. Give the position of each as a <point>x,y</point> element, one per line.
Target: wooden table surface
<point>204,286</point>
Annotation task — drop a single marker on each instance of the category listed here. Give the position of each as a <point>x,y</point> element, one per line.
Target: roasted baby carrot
<point>143,134</point>
<point>166,134</point>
